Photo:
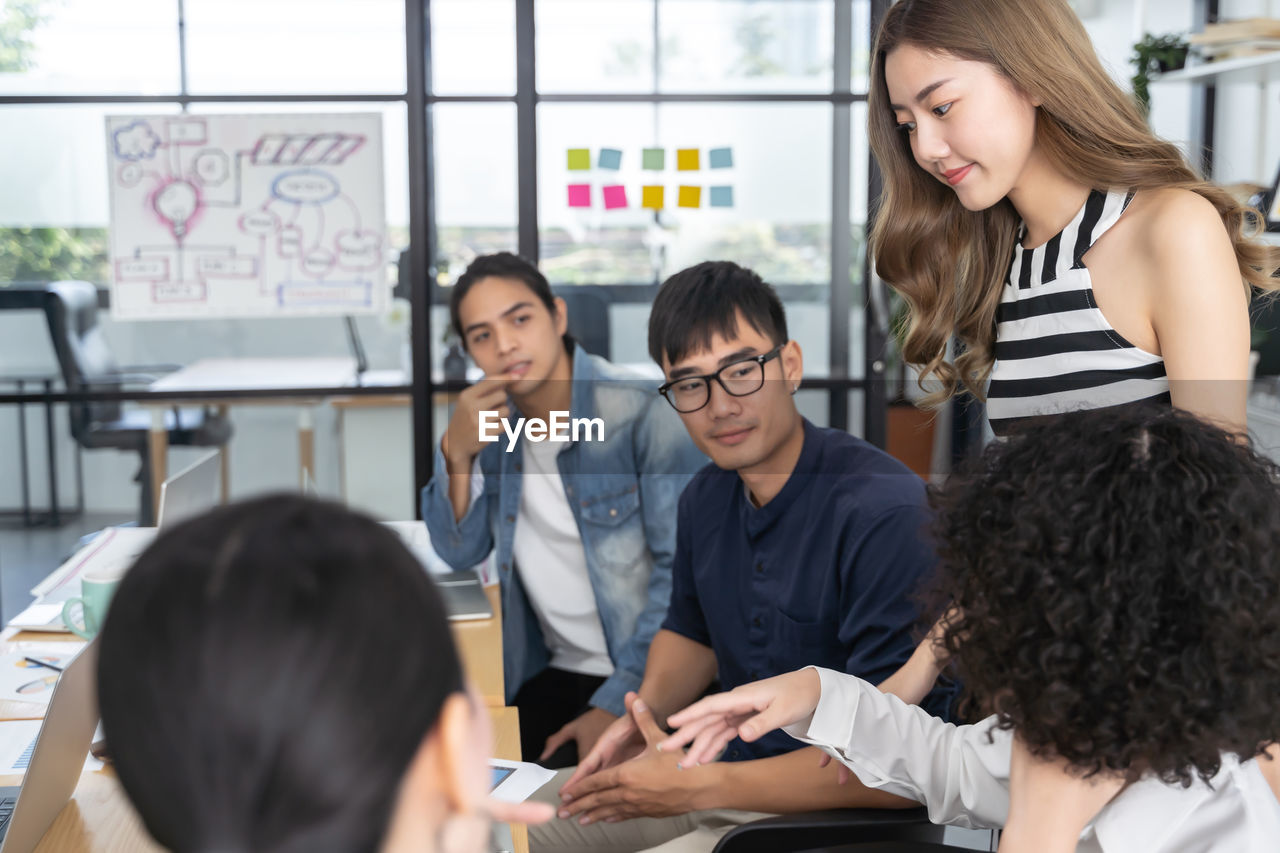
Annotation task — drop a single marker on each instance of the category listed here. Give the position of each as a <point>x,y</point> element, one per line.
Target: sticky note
<point>610,158</point>
<point>579,195</point>
<point>579,159</point>
<point>653,159</point>
<point>651,197</point>
<point>687,159</point>
<point>720,158</point>
<point>615,196</point>
<point>689,197</point>
<point>720,197</point>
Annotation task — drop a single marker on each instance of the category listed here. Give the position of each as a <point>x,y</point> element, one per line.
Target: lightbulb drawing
<point>176,203</point>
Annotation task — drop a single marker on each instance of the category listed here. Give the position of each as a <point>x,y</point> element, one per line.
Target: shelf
<point>1246,69</point>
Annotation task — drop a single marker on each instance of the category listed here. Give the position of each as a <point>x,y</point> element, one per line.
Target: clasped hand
<point>626,775</point>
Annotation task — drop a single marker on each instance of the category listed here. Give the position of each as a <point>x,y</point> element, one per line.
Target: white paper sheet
<point>111,553</point>
<point>23,681</point>
<point>520,783</point>
<point>17,741</point>
<point>40,617</point>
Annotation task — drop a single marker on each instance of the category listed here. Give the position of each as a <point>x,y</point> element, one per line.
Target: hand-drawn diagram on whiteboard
<point>246,215</point>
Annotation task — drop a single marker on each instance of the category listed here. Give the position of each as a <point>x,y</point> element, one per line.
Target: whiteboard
<point>246,216</point>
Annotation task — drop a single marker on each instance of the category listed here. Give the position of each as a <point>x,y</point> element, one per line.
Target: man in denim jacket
<point>584,529</point>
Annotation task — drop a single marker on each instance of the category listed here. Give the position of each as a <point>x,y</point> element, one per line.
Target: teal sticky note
<point>653,159</point>
<point>720,158</point>
<point>610,158</point>
<point>721,197</point>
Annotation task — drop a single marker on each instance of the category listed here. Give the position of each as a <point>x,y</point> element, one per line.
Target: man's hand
<point>1049,803</point>
<point>585,729</point>
<point>462,440</point>
<point>649,785</point>
<point>620,741</point>
<point>749,712</point>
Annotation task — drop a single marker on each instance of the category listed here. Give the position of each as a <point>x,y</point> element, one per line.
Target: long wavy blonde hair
<point>949,263</point>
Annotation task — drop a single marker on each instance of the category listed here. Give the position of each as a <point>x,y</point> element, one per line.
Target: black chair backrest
<point>71,308</point>
<point>588,307</point>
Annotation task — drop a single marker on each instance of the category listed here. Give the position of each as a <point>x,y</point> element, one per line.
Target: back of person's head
<point>500,265</point>
<point>1114,575</point>
<point>950,262</point>
<point>268,672</point>
<point>704,300</point>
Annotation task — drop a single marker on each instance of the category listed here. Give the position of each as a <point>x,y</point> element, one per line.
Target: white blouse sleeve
<point>960,773</point>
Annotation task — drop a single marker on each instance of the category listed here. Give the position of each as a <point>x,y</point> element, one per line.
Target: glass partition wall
<point>483,102</point>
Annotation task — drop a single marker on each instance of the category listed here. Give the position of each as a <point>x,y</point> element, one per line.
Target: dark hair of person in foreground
<point>1115,575</point>
<point>268,671</point>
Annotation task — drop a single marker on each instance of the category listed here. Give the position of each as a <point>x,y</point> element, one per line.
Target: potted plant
<point>1155,55</point>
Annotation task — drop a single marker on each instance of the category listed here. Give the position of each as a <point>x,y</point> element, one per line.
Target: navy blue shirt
<point>823,574</point>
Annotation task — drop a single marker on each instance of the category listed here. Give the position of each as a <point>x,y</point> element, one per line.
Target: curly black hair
<point>1116,575</point>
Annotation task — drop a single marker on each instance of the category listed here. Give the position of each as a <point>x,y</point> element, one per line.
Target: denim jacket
<point>623,493</point>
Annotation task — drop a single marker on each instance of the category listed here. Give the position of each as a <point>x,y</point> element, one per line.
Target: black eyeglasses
<point>738,379</point>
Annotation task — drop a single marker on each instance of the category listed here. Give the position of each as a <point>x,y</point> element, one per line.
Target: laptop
<point>28,810</point>
<point>463,594</point>
<point>190,492</point>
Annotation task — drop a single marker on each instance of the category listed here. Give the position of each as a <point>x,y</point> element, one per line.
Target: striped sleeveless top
<point>1055,352</point>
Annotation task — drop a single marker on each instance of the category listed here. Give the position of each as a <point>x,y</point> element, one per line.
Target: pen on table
<point>43,663</point>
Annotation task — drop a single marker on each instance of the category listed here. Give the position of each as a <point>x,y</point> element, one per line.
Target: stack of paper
<point>112,552</point>
<point>1232,39</point>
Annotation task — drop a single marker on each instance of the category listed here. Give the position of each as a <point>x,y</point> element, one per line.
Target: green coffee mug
<point>95,596</point>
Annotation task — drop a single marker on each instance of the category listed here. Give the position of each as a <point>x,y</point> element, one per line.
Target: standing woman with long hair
<point>1029,212</point>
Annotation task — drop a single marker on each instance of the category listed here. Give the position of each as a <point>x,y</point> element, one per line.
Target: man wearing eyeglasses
<point>798,545</point>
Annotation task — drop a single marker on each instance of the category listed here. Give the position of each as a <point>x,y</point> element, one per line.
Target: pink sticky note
<point>615,196</point>
<point>579,195</point>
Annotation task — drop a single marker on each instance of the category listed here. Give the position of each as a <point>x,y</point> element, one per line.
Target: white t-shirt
<point>553,567</point>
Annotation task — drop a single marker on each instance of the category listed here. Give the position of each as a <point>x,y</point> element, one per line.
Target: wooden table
<point>99,818</point>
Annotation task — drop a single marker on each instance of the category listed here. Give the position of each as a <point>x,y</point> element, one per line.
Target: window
<point>781,84</point>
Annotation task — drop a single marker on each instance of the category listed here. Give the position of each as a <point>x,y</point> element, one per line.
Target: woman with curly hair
<point>1117,617</point>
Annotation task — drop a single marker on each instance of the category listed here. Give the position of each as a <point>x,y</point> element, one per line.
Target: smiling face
<point>741,433</point>
<point>968,126</point>
<point>509,330</point>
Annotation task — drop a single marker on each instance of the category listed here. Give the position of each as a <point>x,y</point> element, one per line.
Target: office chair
<point>71,308</point>
<point>588,308</point>
<point>841,831</point>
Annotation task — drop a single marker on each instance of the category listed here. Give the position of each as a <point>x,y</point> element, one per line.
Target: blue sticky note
<point>610,158</point>
<point>720,158</point>
<point>721,197</point>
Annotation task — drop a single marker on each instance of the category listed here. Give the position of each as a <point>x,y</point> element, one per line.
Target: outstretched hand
<point>748,712</point>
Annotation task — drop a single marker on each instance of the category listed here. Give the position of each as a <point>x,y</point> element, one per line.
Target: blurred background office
<point>479,101</point>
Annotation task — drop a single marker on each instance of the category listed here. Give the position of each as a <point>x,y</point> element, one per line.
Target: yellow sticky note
<point>687,160</point>
<point>651,197</point>
<point>689,197</point>
<point>579,159</point>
